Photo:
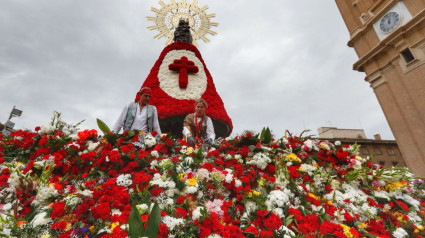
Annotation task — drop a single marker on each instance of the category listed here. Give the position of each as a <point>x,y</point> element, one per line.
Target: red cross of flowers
<point>183,66</point>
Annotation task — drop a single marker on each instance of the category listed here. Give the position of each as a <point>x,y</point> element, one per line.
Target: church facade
<point>389,39</point>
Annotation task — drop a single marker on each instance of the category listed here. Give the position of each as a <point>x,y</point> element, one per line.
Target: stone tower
<point>389,39</point>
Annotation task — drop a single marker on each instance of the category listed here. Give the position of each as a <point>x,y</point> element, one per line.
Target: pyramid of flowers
<point>178,78</point>
<point>59,182</point>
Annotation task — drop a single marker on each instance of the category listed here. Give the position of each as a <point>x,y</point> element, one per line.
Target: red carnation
<point>273,222</point>
<point>181,212</point>
<point>61,225</point>
<point>58,210</point>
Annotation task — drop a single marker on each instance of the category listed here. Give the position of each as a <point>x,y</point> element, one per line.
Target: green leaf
<point>152,229</point>
<point>135,225</point>
<point>102,126</point>
<point>266,135</point>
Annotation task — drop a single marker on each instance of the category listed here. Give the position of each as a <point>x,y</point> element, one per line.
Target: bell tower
<point>389,39</point>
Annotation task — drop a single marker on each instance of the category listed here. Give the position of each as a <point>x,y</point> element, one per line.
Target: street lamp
<point>7,128</point>
<point>15,113</point>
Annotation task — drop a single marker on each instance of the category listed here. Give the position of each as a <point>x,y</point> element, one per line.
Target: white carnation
<point>149,141</point>
<point>124,180</point>
<point>260,160</point>
<point>40,219</point>
<point>400,233</point>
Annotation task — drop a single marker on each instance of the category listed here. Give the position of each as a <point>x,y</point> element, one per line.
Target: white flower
<point>202,174</point>
<point>238,183</point>
<point>250,206</point>
<point>172,222</point>
<point>143,207</point>
<point>311,145</point>
<point>7,207</point>
<point>116,212</point>
<point>40,219</point>
<point>124,180</point>
<point>154,163</point>
<point>74,136</point>
<point>47,130</point>
<point>13,180</point>
<point>92,146</point>
<point>155,154</point>
<point>196,214</point>
<point>149,141</point>
<point>307,168</point>
<point>192,189</point>
<point>86,193</point>
<point>260,160</point>
<point>277,198</point>
<point>288,232</point>
<point>382,195</point>
<point>337,143</point>
<point>43,194</point>
<point>188,160</point>
<point>400,233</point>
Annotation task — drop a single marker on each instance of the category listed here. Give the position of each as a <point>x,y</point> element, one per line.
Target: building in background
<point>385,152</point>
<point>389,39</point>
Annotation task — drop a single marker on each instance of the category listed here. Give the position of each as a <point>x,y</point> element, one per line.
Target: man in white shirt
<point>198,125</point>
<point>139,115</point>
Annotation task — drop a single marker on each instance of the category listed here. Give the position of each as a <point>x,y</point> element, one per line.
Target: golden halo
<point>167,18</point>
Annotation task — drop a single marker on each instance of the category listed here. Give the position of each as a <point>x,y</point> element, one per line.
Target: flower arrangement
<point>56,183</point>
<point>174,102</point>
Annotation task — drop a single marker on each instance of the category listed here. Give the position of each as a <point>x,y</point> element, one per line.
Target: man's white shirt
<point>140,120</point>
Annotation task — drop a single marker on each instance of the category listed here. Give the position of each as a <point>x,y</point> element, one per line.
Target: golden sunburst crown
<point>167,18</point>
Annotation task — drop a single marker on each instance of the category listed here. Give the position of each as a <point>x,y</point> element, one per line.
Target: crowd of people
<point>144,117</point>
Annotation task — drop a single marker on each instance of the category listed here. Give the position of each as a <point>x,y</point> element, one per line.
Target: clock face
<point>389,22</point>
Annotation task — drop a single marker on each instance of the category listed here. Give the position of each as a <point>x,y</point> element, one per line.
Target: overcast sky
<point>279,63</point>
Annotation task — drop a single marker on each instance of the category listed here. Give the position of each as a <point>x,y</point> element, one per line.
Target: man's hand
<point>191,141</point>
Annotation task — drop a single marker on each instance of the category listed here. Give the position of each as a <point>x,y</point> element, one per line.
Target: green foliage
<point>135,223</point>
<point>154,220</point>
<point>266,136</point>
<point>102,126</point>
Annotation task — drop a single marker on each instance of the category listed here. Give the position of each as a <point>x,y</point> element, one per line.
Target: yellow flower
<point>189,150</point>
<point>68,226</point>
<point>293,157</point>
<point>45,236</point>
<point>313,196</point>
<point>191,182</point>
<point>261,182</point>
<point>395,185</point>
<point>330,203</point>
<point>253,193</point>
<point>113,225</point>
<point>359,158</point>
<point>416,231</point>
<point>347,231</point>
<point>420,227</point>
<point>362,225</point>
<point>91,228</point>
<point>182,176</point>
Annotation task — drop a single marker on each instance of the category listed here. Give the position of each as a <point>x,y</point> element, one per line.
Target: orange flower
<point>21,223</point>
